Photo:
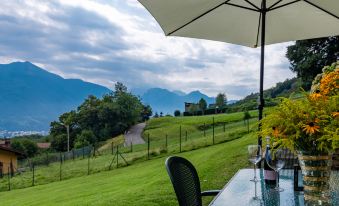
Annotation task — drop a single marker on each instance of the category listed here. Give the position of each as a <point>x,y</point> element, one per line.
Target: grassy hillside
<point>287,88</point>
<point>157,129</point>
<point>144,183</point>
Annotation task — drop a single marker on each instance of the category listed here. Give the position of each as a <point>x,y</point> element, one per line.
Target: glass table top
<point>240,191</point>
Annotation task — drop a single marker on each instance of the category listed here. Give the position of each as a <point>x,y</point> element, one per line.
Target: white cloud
<point>107,41</point>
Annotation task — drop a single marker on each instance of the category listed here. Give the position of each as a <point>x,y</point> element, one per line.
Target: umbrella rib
<point>198,17</point>
<point>292,2</point>
<point>252,4</point>
<point>274,4</point>
<point>243,7</point>
<point>324,10</point>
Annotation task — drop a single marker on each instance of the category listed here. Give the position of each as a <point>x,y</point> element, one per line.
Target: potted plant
<point>310,127</point>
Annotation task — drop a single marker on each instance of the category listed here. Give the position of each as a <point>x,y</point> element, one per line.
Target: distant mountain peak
<point>178,92</point>
<point>196,92</point>
<point>32,97</point>
<point>163,100</point>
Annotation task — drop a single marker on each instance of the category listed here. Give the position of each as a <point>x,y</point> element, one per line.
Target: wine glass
<point>276,161</point>
<point>254,156</point>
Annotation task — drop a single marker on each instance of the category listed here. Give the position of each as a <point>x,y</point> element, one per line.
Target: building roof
<point>2,147</point>
<point>43,145</point>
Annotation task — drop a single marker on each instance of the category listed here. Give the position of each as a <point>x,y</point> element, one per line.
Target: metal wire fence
<point>51,167</point>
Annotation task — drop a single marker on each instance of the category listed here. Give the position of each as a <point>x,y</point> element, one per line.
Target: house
<point>43,145</point>
<point>189,105</point>
<point>8,158</point>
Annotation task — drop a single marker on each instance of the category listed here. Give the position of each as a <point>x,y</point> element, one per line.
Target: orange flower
<point>315,96</point>
<point>311,127</point>
<point>329,84</point>
<point>275,132</point>
<point>335,114</point>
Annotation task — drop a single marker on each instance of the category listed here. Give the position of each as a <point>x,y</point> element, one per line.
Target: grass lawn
<point>143,183</point>
<point>158,129</point>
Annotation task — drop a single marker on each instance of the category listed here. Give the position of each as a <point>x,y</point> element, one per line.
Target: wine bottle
<point>269,173</point>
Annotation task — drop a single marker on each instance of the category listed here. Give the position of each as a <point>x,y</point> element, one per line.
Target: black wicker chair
<point>186,182</point>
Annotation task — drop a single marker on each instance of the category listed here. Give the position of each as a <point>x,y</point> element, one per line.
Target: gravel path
<point>134,134</point>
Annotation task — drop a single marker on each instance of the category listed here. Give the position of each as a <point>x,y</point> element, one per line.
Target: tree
<point>84,139</point>
<point>177,113</point>
<point>120,88</point>
<point>161,114</point>
<point>59,143</point>
<point>202,105</point>
<point>105,118</point>
<point>221,100</point>
<point>17,145</point>
<point>31,147</point>
<point>146,112</point>
<point>308,57</point>
<point>156,115</point>
<point>26,146</point>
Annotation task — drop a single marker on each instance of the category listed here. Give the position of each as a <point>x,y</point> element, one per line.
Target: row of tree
<point>202,108</point>
<point>98,119</point>
<point>308,57</point>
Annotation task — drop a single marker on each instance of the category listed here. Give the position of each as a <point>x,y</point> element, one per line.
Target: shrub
<point>177,113</point>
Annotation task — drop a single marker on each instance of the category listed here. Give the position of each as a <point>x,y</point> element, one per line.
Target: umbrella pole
<point>262,65</point>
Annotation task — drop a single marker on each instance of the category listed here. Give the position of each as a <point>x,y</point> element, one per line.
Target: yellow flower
<point>311,127</point>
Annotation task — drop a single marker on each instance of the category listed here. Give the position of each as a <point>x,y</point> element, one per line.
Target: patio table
<point>240,190</point>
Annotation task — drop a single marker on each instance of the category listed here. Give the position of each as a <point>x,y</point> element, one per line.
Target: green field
<point>143,183</point>
<point>128,184</point>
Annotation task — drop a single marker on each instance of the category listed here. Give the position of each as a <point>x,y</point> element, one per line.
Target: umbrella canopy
<point>239,21</point>
<point>249,23</point>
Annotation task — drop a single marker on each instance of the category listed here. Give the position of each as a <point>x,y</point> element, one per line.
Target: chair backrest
<point>185,181</point>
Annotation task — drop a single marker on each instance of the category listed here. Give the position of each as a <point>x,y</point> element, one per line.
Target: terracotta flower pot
<point>316,170</point>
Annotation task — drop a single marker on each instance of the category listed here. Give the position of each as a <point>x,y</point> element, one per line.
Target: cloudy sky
<point>106,41</point>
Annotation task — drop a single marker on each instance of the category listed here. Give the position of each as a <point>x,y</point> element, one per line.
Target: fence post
<point>186,136</point>
<point>117,156</point>
<point>166,143</point>
<point>73,153</point>
<point>60,171</point>
<point>204,129</point>
<point>148,146</point>
<point>47,162</point>
<point>89,156</point>
<point>33,175</point>
<point>180,139</point>
<point>112,148</point>
<point>248,126</point>
<point>9,180</point>
<point>131,146</point>
<point>83,151</point>
<point>60,158</point>
<point>213,129</point>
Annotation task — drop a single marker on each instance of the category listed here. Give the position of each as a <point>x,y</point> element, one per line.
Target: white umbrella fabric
<point>249,23</point>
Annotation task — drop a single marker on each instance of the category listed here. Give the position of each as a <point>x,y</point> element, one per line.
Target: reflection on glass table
<point>240,192</point>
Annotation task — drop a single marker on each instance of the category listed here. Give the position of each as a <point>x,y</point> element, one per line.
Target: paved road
<point>134,134</point>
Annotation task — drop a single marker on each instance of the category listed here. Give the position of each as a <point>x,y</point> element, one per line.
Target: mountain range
<point>165,101</point>
<point>31,97</point>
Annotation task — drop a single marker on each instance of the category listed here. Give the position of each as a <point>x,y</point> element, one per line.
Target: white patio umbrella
<point>249,23</point>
